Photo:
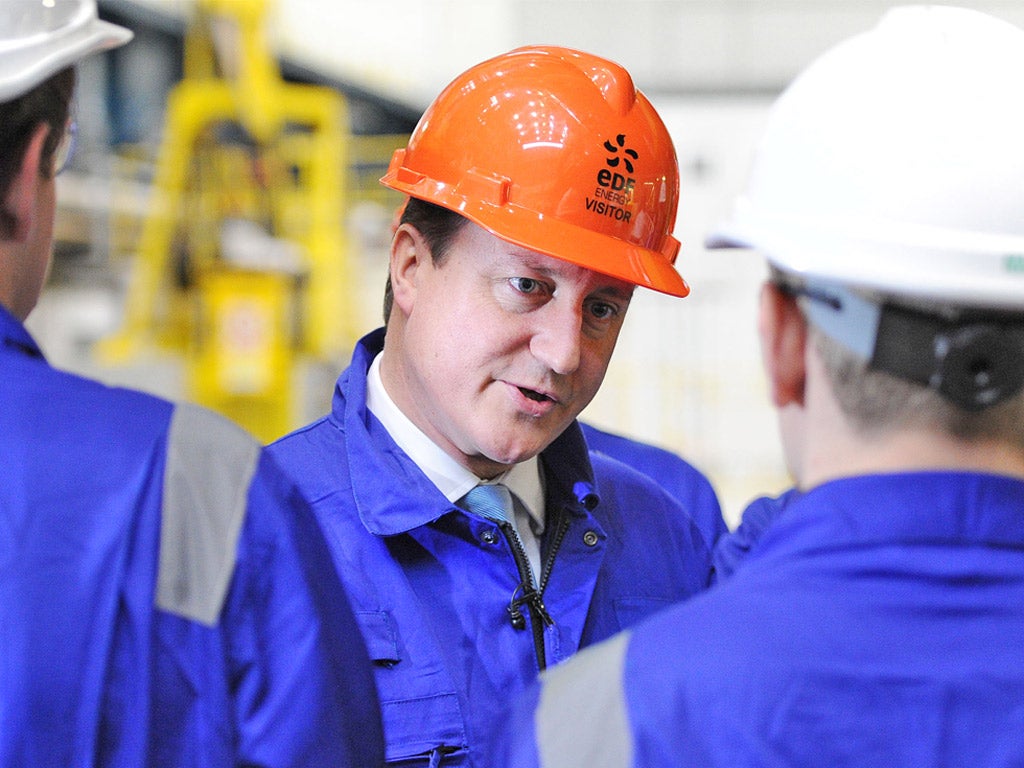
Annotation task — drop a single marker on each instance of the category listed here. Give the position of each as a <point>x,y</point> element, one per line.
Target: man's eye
<point>525,284</point>
<point>602,311</point>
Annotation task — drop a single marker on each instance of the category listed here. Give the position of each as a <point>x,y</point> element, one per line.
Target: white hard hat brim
<point>885,258</point>
<point>32,62</point>
<point>724,237</point>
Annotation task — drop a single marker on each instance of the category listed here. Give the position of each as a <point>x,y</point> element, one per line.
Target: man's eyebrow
<point>532,262</point>
<point>616,292</point>
<point>529,261</point>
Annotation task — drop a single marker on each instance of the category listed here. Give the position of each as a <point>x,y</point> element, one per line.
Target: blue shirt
<point>879,622</point>
<point>163,598</point>
<point>436,589</point>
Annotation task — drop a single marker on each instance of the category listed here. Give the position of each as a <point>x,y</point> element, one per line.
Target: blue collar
<point>14,336</point>
<point>953,508</point>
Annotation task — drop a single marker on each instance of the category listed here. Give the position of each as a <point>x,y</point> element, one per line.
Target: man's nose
<point>557,339</point>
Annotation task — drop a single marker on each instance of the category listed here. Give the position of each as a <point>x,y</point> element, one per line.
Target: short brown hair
<point>49,103</point>
<point>437,224</point>
<point>874,401</point>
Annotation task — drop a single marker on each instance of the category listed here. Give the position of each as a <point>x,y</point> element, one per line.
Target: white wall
<point>409,49</point>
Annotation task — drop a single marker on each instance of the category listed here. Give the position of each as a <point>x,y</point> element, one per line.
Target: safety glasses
<point>66,148</point>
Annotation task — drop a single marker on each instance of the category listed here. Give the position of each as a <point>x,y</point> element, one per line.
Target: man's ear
<point>783,331</point>
<point>409,251</point>
<point>20,202</point>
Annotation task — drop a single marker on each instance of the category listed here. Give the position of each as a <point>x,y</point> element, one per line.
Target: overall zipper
<point>529,595</point>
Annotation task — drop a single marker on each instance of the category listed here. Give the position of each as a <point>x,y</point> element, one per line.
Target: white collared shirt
<point>450,477</point>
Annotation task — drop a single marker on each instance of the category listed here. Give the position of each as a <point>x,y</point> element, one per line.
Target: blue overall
<point>682,480</point>
<point>436,589</point>
<point>878,622</point>
<point>165,597</point>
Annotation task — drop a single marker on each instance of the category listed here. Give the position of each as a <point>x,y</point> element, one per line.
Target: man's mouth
<point>535,396</point>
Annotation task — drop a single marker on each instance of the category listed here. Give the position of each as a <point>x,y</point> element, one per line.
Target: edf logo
<point>613,195</point>
<point>618,181</point>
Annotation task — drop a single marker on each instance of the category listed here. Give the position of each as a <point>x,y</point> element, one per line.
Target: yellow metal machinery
<point>242,263</point>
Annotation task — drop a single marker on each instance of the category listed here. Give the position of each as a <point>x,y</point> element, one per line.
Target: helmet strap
<point>975,363</point>
<point>975,359</point>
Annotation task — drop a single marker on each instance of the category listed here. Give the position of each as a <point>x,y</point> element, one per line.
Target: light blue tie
<point>493,502</point>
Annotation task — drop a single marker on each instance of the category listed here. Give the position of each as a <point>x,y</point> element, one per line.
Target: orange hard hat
<point>554,150</point>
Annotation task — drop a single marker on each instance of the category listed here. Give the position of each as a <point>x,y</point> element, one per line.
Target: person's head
<point>40,42</point>
<point>543,188</point>
<point>886,195</point>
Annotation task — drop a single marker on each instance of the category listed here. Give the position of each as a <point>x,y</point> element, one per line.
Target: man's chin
<point>518,452</point>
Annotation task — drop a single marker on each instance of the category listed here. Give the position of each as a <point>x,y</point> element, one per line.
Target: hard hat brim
<point>567,242</point>
<point>31,65</point>
<point>921,263</point>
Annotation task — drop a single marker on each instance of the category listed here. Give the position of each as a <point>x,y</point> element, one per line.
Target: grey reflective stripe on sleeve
<point>581,719</point>
<point>210,463</point>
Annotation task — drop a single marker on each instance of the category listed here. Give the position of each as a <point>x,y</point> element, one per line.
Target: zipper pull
<point>538,605</point>
<point>532,597</point>
<point>516,616</point>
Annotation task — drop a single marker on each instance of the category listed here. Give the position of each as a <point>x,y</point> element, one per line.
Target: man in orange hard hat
<point>479,540</point>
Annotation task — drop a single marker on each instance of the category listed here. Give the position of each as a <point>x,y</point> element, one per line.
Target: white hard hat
<point>895,162</point>
<point>38,38</point>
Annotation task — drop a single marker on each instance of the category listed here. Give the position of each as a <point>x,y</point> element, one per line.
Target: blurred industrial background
<point>222,236</point>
